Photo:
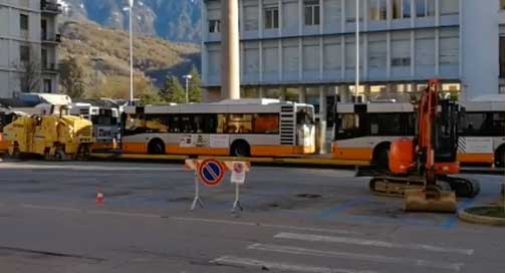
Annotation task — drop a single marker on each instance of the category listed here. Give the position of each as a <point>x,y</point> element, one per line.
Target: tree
<point>173,90</point>
<point>30,70</point>
<point>71,78</point>
<point>195,89</point>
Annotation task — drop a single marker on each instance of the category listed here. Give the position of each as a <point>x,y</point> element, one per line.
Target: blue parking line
<point>327,213</point>
<point>453,220</point>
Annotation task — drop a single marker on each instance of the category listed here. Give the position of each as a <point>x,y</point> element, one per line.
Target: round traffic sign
<point>211,172</point>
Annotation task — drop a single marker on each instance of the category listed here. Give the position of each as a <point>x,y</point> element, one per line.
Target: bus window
<point>483,124</point>
<point>349,126</point>
<point>239,124</point>
<point>157,124</point>
<point>266,124</point>
<point>304,115</point>
<point>135,124</point>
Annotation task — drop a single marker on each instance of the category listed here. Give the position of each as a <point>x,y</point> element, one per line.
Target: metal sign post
<point>238,177</point>
<point>197,200</point>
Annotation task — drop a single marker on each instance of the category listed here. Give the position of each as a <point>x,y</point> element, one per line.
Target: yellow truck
<point>55,137</point>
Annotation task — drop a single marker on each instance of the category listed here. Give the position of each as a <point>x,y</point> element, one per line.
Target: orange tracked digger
<point>422,169</point>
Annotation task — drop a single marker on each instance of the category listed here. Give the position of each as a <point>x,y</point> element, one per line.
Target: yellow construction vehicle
<point>55,137</point>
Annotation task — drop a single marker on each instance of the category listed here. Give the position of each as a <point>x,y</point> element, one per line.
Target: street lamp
<point>357,52</point>
<point>130,2</point>
<point>187,78</point>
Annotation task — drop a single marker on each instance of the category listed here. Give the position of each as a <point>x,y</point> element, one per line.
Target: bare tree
<point>29,72</point>
<point>71,78</point>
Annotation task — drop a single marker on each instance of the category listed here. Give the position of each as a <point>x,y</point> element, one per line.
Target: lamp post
<point>187,79</point>
<point>130,23</point>
<point>357,52</point>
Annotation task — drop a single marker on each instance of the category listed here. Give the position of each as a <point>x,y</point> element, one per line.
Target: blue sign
<point>211,172</point>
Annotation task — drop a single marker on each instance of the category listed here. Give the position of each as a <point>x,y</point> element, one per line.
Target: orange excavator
<point>423,169</point>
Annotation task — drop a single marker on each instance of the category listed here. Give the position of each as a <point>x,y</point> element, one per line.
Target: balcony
<point>50,38</point>
<point>50,68</point>
<point>50,7</point>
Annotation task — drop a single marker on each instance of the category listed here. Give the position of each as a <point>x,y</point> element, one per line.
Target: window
<point>48,86</point>
<point>214,26</point>
<point>266,124</point>
<point>394,124</point>
<point>401,9</point>
<point>449,7</point>
<point>271,17</point>
<point>377,10</point>
<point>502,57</point>
<point>250,16</point>
<point>312,12</point>
<point>502,4</point>
<point>23,22</point>
<point>377,52</point>
<point>483,124</point>
<point>400,52</point>
<point>449,47</point>
<point>425,8</point>
<point>24,53</point>
<point>43,56</point>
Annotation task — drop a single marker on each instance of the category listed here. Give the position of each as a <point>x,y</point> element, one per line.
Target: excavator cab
<point>446,132</point>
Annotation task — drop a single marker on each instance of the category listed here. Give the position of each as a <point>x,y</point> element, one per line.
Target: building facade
<point>28,46</point>
<point>305,50</point>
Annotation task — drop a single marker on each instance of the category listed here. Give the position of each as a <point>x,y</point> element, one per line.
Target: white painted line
<point>264,225</point>
<point>92,212</point>
<point>356,256</point>
<point>264,265</point>
<point>374,243</point>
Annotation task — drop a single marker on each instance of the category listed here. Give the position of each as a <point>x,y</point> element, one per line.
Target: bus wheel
<point>240,148</point>
<point>156,147</point>
<point>499,157</point>
<point>381,156</point>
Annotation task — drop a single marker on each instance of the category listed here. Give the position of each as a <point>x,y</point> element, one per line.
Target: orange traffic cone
<point>100,198</point>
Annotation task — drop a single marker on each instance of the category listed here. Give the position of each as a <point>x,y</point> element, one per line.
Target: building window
<point>43,54</point>
<point>449,47</point>
<point>312,12</point>
<point>48,86</point>
<point>425,8</point>
<point>400,52</point>
<point>214,26</point>
<point>502,57</point>
<point>23,22</point>
<point>449,7</point>
<point>271,17</point>
<point>24,54</point>
<point>502,4</point>
<point>377,10</point>
<point>401,9</point>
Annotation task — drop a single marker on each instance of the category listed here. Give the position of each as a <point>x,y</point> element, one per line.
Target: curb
<point>477,219</point>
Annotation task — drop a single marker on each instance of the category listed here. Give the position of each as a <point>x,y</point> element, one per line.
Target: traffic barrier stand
<point>238,177</point>
<point>209,172</point>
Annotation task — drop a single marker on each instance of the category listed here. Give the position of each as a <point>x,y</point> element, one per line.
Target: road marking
<point>264,265</point>
<point>93,212</point>
<point>356,256</point>
<point>228,222</point>
<point>374,243</point>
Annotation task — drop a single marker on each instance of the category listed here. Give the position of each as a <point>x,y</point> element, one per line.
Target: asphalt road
<point>295,220</point>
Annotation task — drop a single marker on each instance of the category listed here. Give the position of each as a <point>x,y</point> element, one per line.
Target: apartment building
<point>29,42</point>
<point>305,50</point>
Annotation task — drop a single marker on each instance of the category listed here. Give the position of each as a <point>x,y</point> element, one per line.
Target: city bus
<point>105,119</point>
<point>482,131</point>
<point>247,127</point>
<point>366,131</point>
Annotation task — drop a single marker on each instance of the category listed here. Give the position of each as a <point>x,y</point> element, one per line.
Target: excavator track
<point>393,186</point>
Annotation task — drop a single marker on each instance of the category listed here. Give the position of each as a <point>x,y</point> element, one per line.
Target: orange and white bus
<point>250,127</point>
<point>482,131</point>
<point>366,131</point>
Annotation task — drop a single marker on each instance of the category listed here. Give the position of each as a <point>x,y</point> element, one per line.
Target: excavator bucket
<point>422,200</point>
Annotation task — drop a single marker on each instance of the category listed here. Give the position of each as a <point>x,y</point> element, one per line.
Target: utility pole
<point>187,78</point>
<point>130,2</point>
<point>357,52</point>
<point>230,54</point>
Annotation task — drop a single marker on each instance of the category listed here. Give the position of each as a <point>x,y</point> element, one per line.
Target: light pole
<point>187,78</point>
<point>130,23</point>
<point>357,52</point>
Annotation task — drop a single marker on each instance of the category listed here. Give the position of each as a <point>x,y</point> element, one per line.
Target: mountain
<point>174,20</point>
<point>103,54</point>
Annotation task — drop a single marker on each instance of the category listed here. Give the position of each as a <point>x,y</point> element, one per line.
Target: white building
<point>305,49</point>
<point>28,42</point>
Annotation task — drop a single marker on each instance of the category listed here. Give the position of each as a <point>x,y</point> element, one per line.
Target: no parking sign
<point>211,172</point>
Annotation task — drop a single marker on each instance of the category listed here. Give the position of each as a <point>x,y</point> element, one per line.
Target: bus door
<point>306,129</point>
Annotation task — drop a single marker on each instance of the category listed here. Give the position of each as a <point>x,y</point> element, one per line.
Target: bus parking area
<point>294,220</point>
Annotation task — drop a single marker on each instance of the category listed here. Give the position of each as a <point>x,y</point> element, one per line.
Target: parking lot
<point>295,220</point>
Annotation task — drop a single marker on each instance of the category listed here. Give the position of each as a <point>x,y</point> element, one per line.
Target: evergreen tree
<point>173,90</point>
<point>195,86</point>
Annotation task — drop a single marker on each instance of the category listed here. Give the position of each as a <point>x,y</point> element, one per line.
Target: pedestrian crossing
<point>323,253</point>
